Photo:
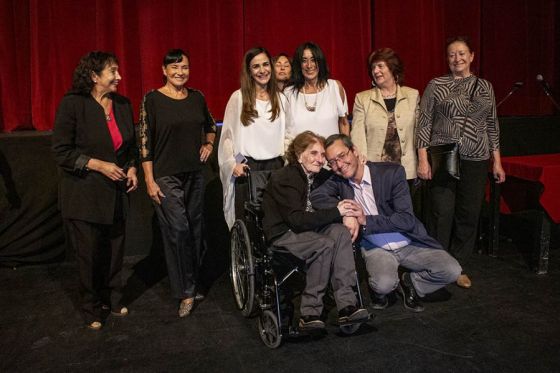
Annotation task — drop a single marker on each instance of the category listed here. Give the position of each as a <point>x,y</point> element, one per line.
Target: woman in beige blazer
<point>384,117</point>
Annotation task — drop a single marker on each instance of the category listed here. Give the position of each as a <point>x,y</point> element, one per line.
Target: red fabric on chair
<point>544,169</point>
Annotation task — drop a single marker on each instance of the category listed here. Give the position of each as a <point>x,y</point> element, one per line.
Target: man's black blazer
<point>392,198</point>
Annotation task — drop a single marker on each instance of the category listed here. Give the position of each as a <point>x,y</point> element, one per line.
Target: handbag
<point>446,157</point>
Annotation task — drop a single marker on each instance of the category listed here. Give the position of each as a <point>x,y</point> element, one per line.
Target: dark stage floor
<point>509,321</point>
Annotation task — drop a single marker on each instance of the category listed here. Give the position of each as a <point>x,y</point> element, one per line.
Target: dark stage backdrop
<point>42,40</point>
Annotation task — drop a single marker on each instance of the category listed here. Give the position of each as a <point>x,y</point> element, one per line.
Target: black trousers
<point>455,208</point>
<point>180,218</point>
<point>242,185</point>
<point>100,250</point>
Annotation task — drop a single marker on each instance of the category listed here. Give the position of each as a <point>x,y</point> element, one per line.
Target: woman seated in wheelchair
<point>291,225</point>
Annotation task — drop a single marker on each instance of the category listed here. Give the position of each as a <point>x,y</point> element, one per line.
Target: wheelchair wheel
<point>242,269</point>
<point>269,329</point>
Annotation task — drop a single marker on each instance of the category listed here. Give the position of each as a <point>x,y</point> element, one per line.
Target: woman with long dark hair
<point>253,132</point>
<point>317,103</point>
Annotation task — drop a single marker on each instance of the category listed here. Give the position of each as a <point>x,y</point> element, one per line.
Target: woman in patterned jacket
<point>447,114</point>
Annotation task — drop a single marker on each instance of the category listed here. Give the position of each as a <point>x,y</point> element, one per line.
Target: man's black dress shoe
<point>411,300</point>
<point>379,302</point>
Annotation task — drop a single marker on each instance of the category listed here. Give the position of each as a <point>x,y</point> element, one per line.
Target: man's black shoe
<point>350,314</point>
<point>411,300</point>
<point>311,322</point>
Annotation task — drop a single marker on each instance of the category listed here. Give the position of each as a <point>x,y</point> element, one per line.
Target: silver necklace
<point>309,107</point>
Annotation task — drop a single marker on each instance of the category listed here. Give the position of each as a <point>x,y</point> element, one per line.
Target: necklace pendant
<point>107,117</point>
<point>310,108</point>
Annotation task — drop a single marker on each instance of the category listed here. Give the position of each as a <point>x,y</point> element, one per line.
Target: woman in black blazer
<point>94,146</point>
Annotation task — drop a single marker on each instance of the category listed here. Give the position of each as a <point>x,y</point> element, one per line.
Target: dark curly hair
<point>300,143</point>
<point>93,62</point>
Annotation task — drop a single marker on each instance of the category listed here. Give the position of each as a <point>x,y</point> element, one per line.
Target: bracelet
<point>209,143</point>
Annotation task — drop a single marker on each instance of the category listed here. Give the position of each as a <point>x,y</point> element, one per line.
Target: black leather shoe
<point>379,302</point>
<point>350,314</point>
<point>411,300</point>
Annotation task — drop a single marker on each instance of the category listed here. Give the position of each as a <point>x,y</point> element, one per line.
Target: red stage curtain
<point>15,83</point>
<point>139,33</point>
<point>42,40</point>
<point>520,40</point>
<point>342,29</point>
<point>415,30</point>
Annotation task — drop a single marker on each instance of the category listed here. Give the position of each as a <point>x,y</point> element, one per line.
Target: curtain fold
<point>41,42</point>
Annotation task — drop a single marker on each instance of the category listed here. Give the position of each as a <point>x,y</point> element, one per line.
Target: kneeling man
<point>390,234</point>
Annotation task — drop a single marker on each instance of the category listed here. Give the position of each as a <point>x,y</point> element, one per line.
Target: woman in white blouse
<point>253,131</point>
<point>317,103</point>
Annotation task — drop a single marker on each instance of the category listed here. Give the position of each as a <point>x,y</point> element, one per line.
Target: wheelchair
<point>258,274</point>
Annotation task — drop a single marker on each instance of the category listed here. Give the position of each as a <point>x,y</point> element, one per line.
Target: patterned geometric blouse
<point>442,114</point>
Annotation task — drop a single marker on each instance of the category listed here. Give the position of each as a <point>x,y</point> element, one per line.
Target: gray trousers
<point>328,255</point>
<point>431,269</point>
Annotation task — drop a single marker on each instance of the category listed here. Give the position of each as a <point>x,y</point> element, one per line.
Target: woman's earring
<point>373,83</point>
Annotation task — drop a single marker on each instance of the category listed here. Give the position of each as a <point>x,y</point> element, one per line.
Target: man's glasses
<point>340,157</point>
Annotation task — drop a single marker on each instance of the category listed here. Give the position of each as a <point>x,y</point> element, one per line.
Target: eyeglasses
<point>340,157</point>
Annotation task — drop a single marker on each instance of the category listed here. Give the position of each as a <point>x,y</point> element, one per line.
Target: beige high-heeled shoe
<point>122,312</point>
<point>96,325</point>
<point>464,281</point>
<point>186,307</point>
